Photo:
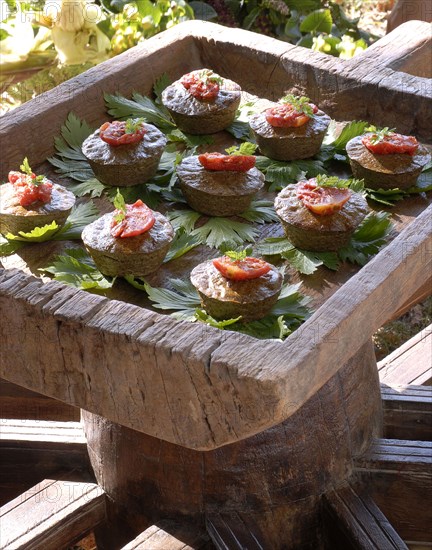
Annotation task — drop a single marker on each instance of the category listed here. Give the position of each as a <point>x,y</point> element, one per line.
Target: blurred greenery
<point>44,42</point>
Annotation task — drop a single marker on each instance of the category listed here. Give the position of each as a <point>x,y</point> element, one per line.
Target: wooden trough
<point>259,441</point>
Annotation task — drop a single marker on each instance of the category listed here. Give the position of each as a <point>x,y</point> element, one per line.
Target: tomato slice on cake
<point>202,85</point>
<point>29,188</point>
<point>390,144</point>
<point>137,219</point>
<point>286,116</point>
<point>232,163</point>
<point>118,132</point>
<point>241,270</point>
<point>322,201</point>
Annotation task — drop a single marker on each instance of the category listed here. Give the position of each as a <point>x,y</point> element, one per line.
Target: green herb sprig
<point>206,75</point>
<point>379,135</point>
<point>333,181</point>
<point>301,104</point>
<point>236,256</point>
<point>245,148</point>
<point>132,125</point>
<point>120,206</point>
<point>26,169</point>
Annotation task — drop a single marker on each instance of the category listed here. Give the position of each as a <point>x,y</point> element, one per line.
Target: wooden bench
<point>171,535</point>
<point>51,515</point>
<point>411,363</point>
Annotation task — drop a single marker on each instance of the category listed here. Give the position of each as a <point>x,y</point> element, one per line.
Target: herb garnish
<point>236,256</point>
<point>26,169</point>
<point>333,181</point>
<point>133,125</point>
<point>301,104</point>
<point>207,75</point>
<point>379,135</point>
<point>245,148</point>
<point>120,205</point>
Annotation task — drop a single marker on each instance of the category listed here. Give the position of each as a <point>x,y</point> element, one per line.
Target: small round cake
<point>227,298</point>
<point>202,102</point>
<point>217,192</point>
<point>322,232</point>
<point>138,254</point>
<point>388,170</point>
<point>284,132</point>
<point>128,163</point>
<point>25,205</point>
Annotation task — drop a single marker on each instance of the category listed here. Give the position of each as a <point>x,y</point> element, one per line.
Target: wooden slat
<point>354,521</point>
<point>32,451</point>
<point>51,515</point>
<point>411,363</point>
<point>19,402</point>
<point>170,535</point>
<point>398,474</point>
<point>232,532</point>
<point>407,412</point>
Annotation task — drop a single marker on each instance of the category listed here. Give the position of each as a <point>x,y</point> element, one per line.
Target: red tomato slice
<point>232,163</point>
<point>285,116</point>
<point>322,201</point>
<point>391,144</point>
<point>114,133</point>
<point>241,270</point>
<point>202,90</point>
<point>139,218</point>
<point>27,192</point>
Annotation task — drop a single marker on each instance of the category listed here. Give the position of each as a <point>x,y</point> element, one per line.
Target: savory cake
<point>202,102</point>
<point>319,218</point>
<point>125,153</point>
<point>387,160</point>
<point>28,201</point>
<point>291,129</point>
<point>230,287</point>
<point>129,241</point>
<point>218,192</point>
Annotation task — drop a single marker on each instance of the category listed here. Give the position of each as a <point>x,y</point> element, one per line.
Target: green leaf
<point>81,215</point>
<point>249,20</point>
<point>219,230</point>
<point>184,302</point>
<point>204,317</point>
<point>304,262</point>
<point>7,248</point>
<point>317,21</point>
<point>350,131</point>
<point>260,211</point>
<point>369,237</point>
<point>303,5</point>
<point>181,245</point>
<point>292,303</point>
<point>36,235</point>
<point>236,255</point>
<point>159,86</point>
<point>273,246</point>
<point>333,181</point>
<point>239,130</point>
<point>246,148</point>
<point>203,11</point>
<point>70,161</point>
<point>139,106</point>
<point>92,187</point>
<point>189,140</point>
<point>185,219</point>
<point>76,268</point>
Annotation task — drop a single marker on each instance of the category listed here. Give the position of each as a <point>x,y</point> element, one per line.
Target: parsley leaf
<point>76,268</point>
<point>301,104</point>
<point>204,317</point>
<point>25,167</point>
<point>260,211</point>
<point>379,135</point>
<point>245,148</point>
<point>236,255</point>
<point>369,237</point>
<point>159,86</point>
<point>185,219</point>
<point>120,205</point>
<point>350,131</point>
<point>219,230</point>
<point>334,181</point>
<point>181,245</point>
<point>139,106</point>
<point>92,187</point>
<point>133,124</point>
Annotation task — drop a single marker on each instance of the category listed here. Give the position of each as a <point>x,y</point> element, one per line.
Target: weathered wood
<point>423,292</point>
<point>399,477</point>
<point>275,477</point>
<point>407,412</point>
<point>18,402</point>
<point>411,363</point>
<point>354,521</point>
<point>32,450</point>
<point>170,535</point>
<point>51,515</point>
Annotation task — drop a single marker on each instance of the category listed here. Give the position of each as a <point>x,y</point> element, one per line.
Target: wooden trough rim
<point>222,366</point>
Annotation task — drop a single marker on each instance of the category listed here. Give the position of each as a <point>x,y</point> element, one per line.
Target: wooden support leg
<point>272,481</point>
